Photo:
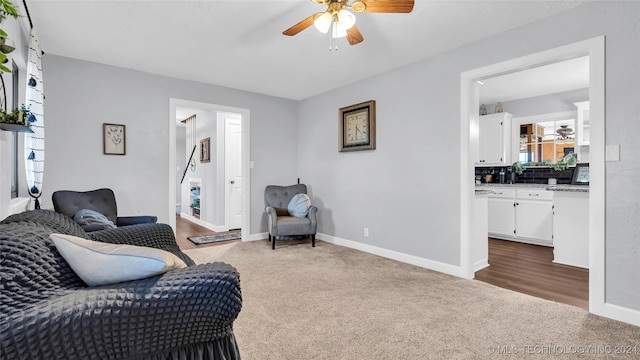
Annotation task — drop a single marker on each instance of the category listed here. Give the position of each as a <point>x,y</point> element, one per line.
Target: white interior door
<point>233,171</point>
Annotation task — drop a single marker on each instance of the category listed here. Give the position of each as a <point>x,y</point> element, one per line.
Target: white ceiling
<point>239,43</point>
<point>549,79</point>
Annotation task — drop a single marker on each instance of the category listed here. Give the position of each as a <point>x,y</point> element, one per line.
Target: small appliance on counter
<point>580,174</point>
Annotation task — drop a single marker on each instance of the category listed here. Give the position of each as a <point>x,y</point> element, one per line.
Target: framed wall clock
<point>357,127</point>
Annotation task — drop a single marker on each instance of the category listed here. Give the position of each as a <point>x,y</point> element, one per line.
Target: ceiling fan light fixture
<point>346,19</point>
<point>323,22</point>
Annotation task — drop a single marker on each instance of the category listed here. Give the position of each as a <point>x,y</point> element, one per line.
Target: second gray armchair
<point>281,223</point>
<point>102,201</point>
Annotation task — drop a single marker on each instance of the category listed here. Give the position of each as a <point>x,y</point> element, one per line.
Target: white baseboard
<point>255,237</point>
<point>205,224</point>
<point>390,254</point>
<point>610,311</point>
<point>394,255</point>
<point>479,265</point>
<point>617,312</point>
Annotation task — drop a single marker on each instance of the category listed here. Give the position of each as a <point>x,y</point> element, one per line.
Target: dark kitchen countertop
<point>561,187</point>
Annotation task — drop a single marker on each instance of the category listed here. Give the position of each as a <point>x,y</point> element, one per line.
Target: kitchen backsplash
<point>530,175</point>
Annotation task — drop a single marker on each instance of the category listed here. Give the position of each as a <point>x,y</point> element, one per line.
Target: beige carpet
<point>332,302</point>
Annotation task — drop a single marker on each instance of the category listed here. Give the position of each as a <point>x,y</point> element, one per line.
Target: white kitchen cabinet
<point>583,128</point>
<point>534,215</point>
<point>501,213</point>
<point>480,241</point>
<point>523,214</point>
<point>494,139</point>
<point>571,228</point>
<point>583,131</point>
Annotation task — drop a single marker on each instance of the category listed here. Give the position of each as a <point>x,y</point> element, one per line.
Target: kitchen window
<point>15,152</point>
<point>547,139</point>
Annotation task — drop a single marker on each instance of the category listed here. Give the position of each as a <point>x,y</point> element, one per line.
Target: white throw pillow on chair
<point>299,205</point>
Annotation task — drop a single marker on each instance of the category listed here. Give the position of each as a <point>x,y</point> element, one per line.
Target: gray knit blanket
<point>48,312</point>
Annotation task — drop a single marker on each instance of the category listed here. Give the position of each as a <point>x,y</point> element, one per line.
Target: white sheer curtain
<point>34,142</point>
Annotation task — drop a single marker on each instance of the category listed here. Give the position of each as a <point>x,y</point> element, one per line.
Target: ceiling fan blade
<point>301,25</point>
<point>354,36</point>
<point>385,6</point>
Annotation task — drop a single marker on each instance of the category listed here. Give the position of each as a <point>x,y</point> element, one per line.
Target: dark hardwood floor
<point>185,228</point>
<point>530,269</point>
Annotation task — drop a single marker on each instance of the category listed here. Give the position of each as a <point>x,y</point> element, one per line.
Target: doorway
<point>594,48</point>
<point>216,192</point>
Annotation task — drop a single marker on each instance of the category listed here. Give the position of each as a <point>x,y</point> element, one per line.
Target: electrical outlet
<point>366,232</point>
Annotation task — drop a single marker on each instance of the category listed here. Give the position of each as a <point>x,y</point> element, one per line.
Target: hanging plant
<point>18,120</point>
<point>6,9</point>
<point>20,116</point>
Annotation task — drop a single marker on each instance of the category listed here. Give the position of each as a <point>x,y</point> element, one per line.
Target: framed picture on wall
<point>205,150</point>
<point>114,139</point>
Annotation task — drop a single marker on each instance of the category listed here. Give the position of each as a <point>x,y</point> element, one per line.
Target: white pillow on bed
<point>98,263</point>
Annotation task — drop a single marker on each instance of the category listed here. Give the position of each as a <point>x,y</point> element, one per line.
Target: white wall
<point>83,95</point>
<point>407,190</point>
<point>545,104</point>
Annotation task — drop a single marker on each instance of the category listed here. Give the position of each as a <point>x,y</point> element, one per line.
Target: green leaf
<point>4,69</point>
<point>6,49</point>
<point>9,8</point>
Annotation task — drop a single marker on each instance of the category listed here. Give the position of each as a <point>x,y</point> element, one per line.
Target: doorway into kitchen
<point>470,94</point>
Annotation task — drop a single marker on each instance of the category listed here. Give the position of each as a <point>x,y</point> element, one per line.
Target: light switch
<point>612,153</point>
<point>251,164</point>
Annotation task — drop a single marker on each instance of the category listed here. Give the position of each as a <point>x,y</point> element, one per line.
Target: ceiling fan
<point>341,21</point>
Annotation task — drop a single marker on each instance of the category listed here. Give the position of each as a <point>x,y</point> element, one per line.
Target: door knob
<point>232,182</point>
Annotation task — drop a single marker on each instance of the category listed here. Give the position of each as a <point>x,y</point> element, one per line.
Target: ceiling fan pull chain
<point>333,40</point>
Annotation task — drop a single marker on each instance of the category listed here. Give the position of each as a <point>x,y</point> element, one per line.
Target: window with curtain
<point>15,153</point>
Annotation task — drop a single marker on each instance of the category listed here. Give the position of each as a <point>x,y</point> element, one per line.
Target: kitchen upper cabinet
<point>583,128</point>
<point>494,139</point>
<point>583,131</point>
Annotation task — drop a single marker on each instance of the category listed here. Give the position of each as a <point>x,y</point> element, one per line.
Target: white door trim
<point>246,151</point>
<point>595,48</point>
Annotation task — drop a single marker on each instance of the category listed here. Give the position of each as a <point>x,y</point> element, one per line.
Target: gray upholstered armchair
<point>281,223</point>
<point>102,201</point>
